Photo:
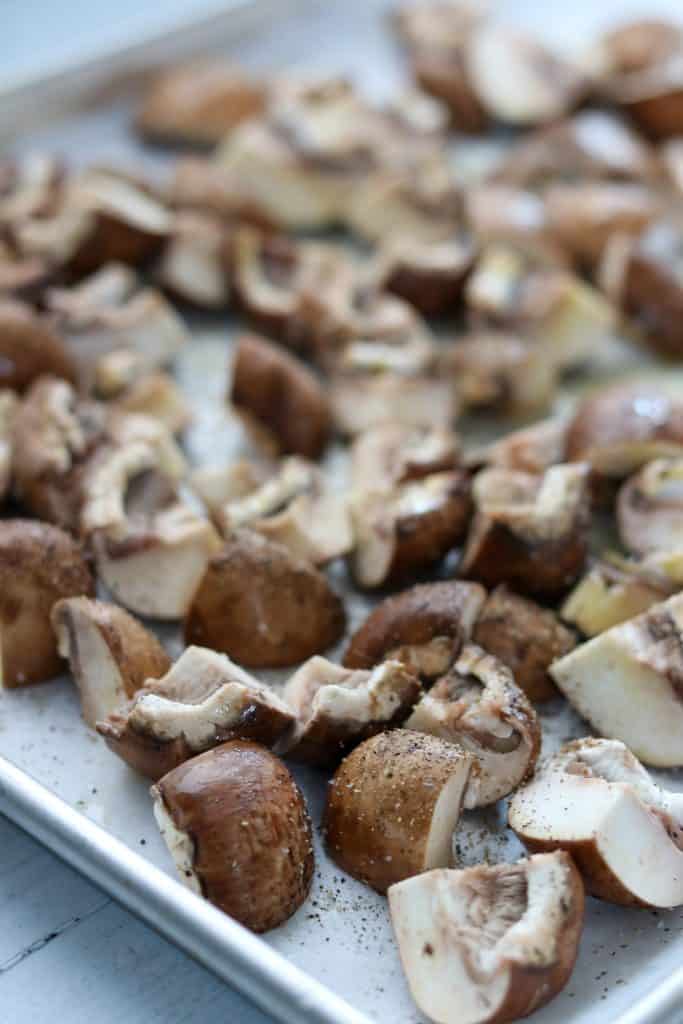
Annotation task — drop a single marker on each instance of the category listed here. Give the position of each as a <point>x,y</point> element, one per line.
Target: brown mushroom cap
<point>282,395</point>
<point>393,805</point>
<point>29,348</point>
<point>287,613</point>
<point>111,655</point>
<point>424,627</point>
<point>650,508</point>
<point>243,822</point>
<point>429,275</point>
<point>39,564</point>
<point>525,637</point>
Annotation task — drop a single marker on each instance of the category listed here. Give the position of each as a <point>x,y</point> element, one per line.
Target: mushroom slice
<point>291,507</point>
<point>424,628</point>
<point>420,210</point>
<point>627,682</point>
<point>29,348</point>
<point>281,396</point>
<point>529,532</point>
<point>409,528</point>
<point>193,265</point>
<point>338,707</point>
<point>496,370</point>
<point>620,428</point>
<point>393,805</point>
<point>584,800</point>
<point>157,396</point>
<point>266,275</point>
<point>613,591</point>
<point>650,508</point>
<point>362,401</point>
<point>490,943</point>
<point>236,825</point>
<point>653,96</point>
<point>429,275</point>
<point>518,81</point>
<point>525,637</point>
<point>203,700</point>
<point>479,706</point>
<point>392,453</point>
<point>528,450</point>
<point>110,653</point>
<point>39,564</point>
<point>288,613</point>
<point>199,103</point>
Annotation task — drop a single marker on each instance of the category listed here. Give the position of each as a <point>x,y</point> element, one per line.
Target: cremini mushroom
<point>393,805</point>
<point>650,508</point>
<point>194,264</point>
<point>584,800</point>
<point>336,708</point>
<point>280,397</point>
<point>525,637</point>
<point>529,531</point>
<point>478,706</point>
<point>613,591</point>
<point>288,612</point>
<point>627,682</point>
<point>30,348</point>
<point>424,627</point>
<point>39,564</point>
<point>392,453</point>
<point>203,700</point>
<point>236,825</point>
<point>111,655</point>
<point>503,371</point>
<point>492,943</point>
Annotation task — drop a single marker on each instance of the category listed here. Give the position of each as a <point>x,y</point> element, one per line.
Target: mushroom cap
<point>525,637</point>
<point>490,943</point>
<point>29,348</point>
<point>430,275</point>
<point>203,700</point>
<point>288,613</point>
<point>337,708</point>
<point>650,508</point>
<point>111,654</point>
<point>245,822</point>
<point>393,805</point>
<point>39,564</point>
<point>423,627</point>
<point>478,706</point>
<point>585,800</point>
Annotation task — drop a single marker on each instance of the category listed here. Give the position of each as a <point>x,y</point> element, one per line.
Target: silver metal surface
<point>628,969</point>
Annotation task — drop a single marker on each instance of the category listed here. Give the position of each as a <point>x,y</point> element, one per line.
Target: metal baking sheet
<point>628,968</point>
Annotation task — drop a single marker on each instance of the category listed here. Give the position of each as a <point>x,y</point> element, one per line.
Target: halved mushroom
<point>627,682</point>
<point>614,590</point>
<point>193,265</point>
<point>336,708</point>
<point>492,943</point>
<point>585,800</point>
<point>620,428</point>
<point>393,805</point>
<point>429,275</point>
<point>280,397</point>
<point>288,612</point>
<point>529,531</point>
<point>362,401</point>
<point>30,348</point>
<point>650,508</point>
<point>110,654</point>
<point>236,825</point>
<point>203,700</point>
<point>392,453</point>
<point>525,637</point>
<point>290,505</point>
<point>478,705</point>
<point>653,96</point>
<point>39,564</point>
<point>408,528</point>
<point>199,103</point>
<point>424,628</point>
<point>498,370</point>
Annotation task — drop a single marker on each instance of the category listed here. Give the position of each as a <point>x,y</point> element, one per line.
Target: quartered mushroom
<point>525,637</point>
<point>111,655</point>
<point>650,508</point>
<point>203,700</point>
<point>280,398</point>
<point>585,800</point>
<point>408,528</point>
<point>393,453</point>
<point>393,805</point>
<point>236,825</point>
<point>194,265</point>
<point>478,706</point>
<point>502,371</point>
<point>39,564</point>
<point>424,627</point>
<point>430,274</point>
<point>529,531</point>
<point>289,504</point>
<point>492,943</point>
<point>288,612</point>
<point>361,401</point>
<point>613,591</point>
<point>336,708</point>
<point>30,348</point>
<point>627,683</point>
